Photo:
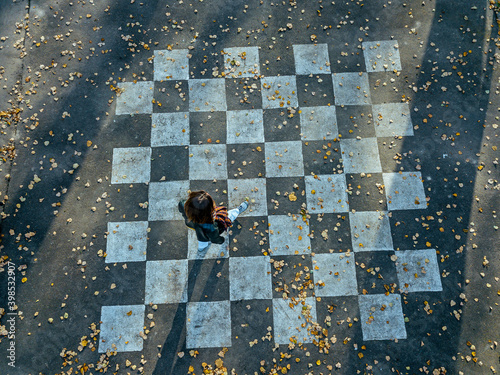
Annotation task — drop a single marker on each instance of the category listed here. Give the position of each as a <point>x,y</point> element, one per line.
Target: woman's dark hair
<point>199,207</point>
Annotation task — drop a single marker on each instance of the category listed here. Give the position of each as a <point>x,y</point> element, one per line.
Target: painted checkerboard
<point>297,146</point>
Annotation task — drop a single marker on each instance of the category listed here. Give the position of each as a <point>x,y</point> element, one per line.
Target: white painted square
<point>326,193</point>
<point>245,126</point>
<point>171,65</point>
<point>418,271</point>
<point>318,123</point>
<point>360,155</point>
<point>250,278</point>
<point>311,59</point>
<point>381,317</point>
<point>207,162</point>
<point>166,281</point>
<point>288,235</point>
<point>214,251</point>
<point>351,88</point>
<point>404,191</point>
<point>254,189</point>
<point>208,325</point>
<point>279,92</point>
<point>131,165</point>
<point>121,327</point>
<point>163,199</point>
<point>290,324</point>
<point>382,56</point>
<point>335,275</point>
<point>392,119</point>
<point>170,129</point>
<point>284,159</point>
<point>134,98</point>
<point>370,230</point>
<point>207,95</point>
<point>126,241</point>
<point>241,62</point>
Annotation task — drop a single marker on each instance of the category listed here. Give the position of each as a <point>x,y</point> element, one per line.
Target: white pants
<point>232,215</point>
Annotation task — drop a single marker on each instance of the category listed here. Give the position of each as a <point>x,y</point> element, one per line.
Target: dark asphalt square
<point>330,233</point>
<point>171,96</point>
<point>129,279</point>
<point>218,189</point>
<point>126,200</point>
<point>388,87</point>
<point>291,274</point>
<point>208,280</point>
<point>278,61</point>
<point>250,321</point>
<point>346,56</point>
<point>246,161</point>
<point>167,337</point>
<point>207,127</point>
<point>128,131</point>
<point>376,272</point>
<point>340,316</point>
<point>401,154</point>
<point>281,125</point>
<point>204,61</point>
<point>355,121</point>
<point>243,93</point>
<point>321,157</point>
<point>366,192</point>
<point>170,163</point>
<point>410,230</point>
<point>167,240</point>
<point>281,204</point>
<point>251,236</point>
<point>315,90</point>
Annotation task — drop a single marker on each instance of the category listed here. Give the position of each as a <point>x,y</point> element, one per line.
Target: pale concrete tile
<point>360,155</point>
<point>418,271</point>
<point>382,56</point>
<point>254,189</point>
<point>279,92</point>
<point>392,119</point>
<point>208,325</point>
<point>166,281</point>
<point>214,251</point>
<point>284,159</point>
<point>288,235</point>
<point>171,65</point>
<point>131,165</point>
<point>170,129</point>
<point>250,278</point>
<point>241,62</point>
<point>326,193</point>
<point>335,275</point>
<point>381,317</point>
<point>126,241</point>
<point>245,126</point>
<point>207,95</point>
<point>163,199</point>
<point>318,123</point>
<point>311,59</point>
<point>370,231</point>
<point>135,98</point>
<point>404,191</point>
<point>121,327</point>
<point>351,88</point>
<point>291,323</point>
<point>207,162</point>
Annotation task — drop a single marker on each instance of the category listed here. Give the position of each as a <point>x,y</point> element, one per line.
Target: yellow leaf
<point>129,313</point>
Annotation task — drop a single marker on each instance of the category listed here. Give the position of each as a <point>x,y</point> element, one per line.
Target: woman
<point>208,220</point>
